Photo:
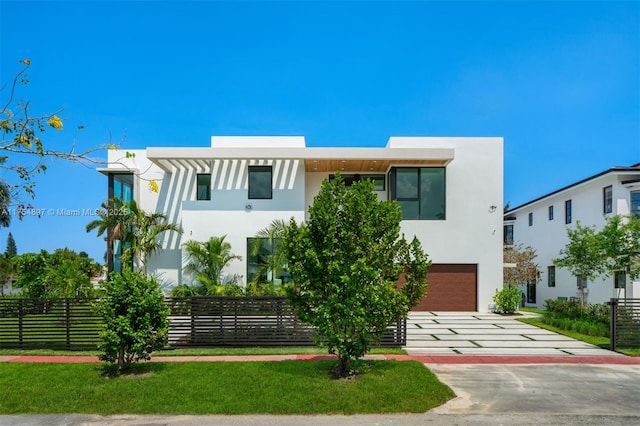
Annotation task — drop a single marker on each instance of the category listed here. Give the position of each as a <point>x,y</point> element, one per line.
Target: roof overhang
<point>116,170</point>
<point>315,159</point>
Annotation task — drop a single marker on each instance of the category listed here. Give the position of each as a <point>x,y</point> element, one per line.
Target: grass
<point>533,310</point>
<point>602,342</point>
<point>281,350</point>
<point>288,387</point>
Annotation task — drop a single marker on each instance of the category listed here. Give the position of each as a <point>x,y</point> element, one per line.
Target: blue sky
<point>560,81</point>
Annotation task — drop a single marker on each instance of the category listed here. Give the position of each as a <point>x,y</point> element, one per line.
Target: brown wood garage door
<point>452,287</point>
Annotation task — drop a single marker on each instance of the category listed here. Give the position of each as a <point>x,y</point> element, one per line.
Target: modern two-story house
<point>541,224</point>
<point>449,189</point>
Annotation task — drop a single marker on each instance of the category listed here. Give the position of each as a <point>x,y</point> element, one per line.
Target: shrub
<point>508,299</point>
<point>135,318</point>
<point>589,319</point>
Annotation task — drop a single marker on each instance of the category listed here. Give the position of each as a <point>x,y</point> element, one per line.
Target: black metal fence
<point>73,324</point>
<point>625,323</point>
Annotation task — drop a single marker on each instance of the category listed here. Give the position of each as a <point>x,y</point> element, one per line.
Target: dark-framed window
<point>260,182</point>
<point>567,212</point>
<point>635,203</point>
<point>120,188</point>
<point>203,184</point>
<point>607,199</point>
<point>550,212</point>
<point>530,219</point>
<point>531,293</point>
<point>508,235</point>
<point>620,279</point>
<point>420,192</point>
<point>265,262</point>
<point>551,276</point>
<point>349,179</point>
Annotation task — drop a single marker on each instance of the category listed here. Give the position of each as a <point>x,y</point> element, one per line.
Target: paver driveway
<point>470,333</point>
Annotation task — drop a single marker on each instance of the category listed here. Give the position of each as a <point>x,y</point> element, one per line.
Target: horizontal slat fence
<point>195,322</point>
<point>625,324</point>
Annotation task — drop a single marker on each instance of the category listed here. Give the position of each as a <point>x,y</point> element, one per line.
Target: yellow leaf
<point>55,122</point>
<point>153,185</point>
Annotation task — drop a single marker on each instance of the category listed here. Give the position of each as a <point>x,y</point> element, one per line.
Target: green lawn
<point>603,342</point>
<point>287,387</point>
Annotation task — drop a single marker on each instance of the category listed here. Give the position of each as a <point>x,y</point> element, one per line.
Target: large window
<point>567,212</point>
<point>420,192</point>
<point>203,183</point>
<point>120,188</point>
<point>265,263</point>
<point>551,276</point>
<point>607,199</point>
<point>260,182</point>
<point>349,179</point>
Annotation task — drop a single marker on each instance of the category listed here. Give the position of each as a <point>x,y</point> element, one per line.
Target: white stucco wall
<point>548,237</point>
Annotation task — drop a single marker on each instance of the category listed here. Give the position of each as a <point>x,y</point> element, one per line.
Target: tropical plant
<point>508,299</point>
<point>206,260</point>
<point>135,318</point>
<point>346,262</point>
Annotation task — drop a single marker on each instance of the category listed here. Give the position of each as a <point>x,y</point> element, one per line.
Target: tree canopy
<point>346,261</point>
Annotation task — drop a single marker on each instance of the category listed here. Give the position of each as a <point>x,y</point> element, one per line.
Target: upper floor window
<point>620,279</point>
<point>581,282</point>
<point>203,187</point>
<point>420,192</point>
<point>508,235</point>
<point>260,182</point>
<point>607,199</point>
<point>349,179</point>
<point>635,203</point>
<point>530,219</point>
<point>121,186</point>
<point>550,212</point>
<point>567,212</point>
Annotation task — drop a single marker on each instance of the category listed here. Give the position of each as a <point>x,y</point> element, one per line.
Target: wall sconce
<point>248,207</point>
<point>492,208</point>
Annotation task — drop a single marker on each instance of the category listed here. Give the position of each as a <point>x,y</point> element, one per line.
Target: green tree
<point>346,261</point>
<point>583,255</point>
<point>205,262</point>
<point>63,273</point>
<point>135,318</point>
<point>11,249</point>
<point>620,240</point>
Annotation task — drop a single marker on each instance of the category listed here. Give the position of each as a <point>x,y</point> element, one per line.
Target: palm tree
<point>5,203</point>
<point>145,229</point>
<point>137,230</point>
<point>206,260</point>
<point>275,260</point>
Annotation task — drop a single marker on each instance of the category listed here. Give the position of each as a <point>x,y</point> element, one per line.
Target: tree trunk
<point>343,367</point>
<point>120,358</point>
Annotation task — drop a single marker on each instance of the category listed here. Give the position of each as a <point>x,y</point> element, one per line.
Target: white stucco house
<point>541,224</point>
<point>450,191</point>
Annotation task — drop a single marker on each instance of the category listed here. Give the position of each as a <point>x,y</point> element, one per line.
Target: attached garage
<point>452,287</point>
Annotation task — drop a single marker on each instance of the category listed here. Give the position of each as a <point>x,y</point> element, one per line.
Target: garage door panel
<point>452,287</point>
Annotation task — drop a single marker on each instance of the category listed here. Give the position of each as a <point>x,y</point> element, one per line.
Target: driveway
<point>470,333</point>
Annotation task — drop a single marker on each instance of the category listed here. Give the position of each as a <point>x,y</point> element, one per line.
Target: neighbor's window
<point>550,212</point>
<point>420,192</point>
<point>508,235</point>
<point>349,179</point>
<point>260,182</point>
<point>607,199</point>
<point>530,219</point>
<point>203,187</point>
<point>620,279</point>
<point>567,211</point>
<point>551,276</point>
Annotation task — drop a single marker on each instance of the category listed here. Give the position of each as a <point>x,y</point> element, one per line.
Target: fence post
<point>613,303</point>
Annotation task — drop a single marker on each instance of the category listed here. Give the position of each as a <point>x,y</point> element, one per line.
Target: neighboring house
<point>450,190</point>
<point>541,224</point>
